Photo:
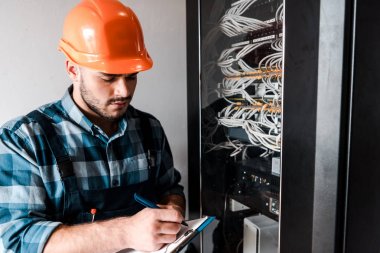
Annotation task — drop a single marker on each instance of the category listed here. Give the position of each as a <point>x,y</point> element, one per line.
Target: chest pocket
<point>137,168</point>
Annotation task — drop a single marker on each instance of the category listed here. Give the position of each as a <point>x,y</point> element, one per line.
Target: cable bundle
<point>233,23</point>
<point>280,13</point>
<point>236,86</point>
<point>273,61</point>
<point>257,113</point>
<point>232,64</point>
<point>236,145</point>
<point>263,131</point>
<point>228,63</point>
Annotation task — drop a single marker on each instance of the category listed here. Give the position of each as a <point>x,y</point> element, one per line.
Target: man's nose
<point>122,88</point>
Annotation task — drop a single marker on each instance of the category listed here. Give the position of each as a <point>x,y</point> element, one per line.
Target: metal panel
<point>299,127</point>
<point>193,107</point>
<point>364,173</point>
<point>193,104</point>
<point>312,145</point>
<point>329,102</point>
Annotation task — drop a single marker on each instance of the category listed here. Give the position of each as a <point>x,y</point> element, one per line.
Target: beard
<point>96,106</point>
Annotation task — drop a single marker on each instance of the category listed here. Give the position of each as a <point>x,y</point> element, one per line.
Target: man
<point>68,171</point>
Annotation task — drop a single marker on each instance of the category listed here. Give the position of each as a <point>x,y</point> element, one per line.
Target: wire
<point>258,114</point>
<point>233,25</point>
<point>280,13</point>
<point>239,245</point>
<point>232,116</point>
<point>227,61</point>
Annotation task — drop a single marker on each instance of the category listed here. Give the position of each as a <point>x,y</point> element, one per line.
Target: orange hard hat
<point>106,36</point>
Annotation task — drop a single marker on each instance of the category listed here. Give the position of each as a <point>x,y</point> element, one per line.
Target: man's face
<point>106,95</point>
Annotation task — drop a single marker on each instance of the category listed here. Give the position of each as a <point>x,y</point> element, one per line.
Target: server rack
<point>320,155</point>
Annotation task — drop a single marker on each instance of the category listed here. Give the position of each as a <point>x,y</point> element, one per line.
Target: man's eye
<point>132,77</point>
<point>108,80</point>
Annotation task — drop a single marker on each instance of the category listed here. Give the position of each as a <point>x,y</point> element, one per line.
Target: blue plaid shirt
<point>28,181</point>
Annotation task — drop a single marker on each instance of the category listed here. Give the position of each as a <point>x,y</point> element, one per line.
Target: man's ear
<point>73,71</point>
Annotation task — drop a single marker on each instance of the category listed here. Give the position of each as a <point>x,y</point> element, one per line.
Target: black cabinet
<point>313,169</point>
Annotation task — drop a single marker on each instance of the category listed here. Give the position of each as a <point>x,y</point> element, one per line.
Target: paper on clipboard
<point>184,236</point>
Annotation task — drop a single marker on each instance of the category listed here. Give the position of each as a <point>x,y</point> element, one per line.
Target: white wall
<point>32,70</point>
<point>162,90</point>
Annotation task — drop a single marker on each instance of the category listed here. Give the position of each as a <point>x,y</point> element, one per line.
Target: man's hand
<point>148,230</point>
<point>151,229</point>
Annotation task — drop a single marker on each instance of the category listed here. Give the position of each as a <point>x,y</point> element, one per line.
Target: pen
<point>150,204</point>
<point>93,212</point>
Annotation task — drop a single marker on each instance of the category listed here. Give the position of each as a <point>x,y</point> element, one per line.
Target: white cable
<point>280,13</point>
<point>237,145</point>
<point>233,25</point>
<point>236,86</point>
<point>227,62</point>
<point>232,116</point>
<point>262,124</point>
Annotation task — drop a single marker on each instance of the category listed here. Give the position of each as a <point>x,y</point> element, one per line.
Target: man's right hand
<point>148,230</point>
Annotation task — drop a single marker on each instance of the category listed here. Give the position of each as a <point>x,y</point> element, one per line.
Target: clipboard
<point>184,236</point>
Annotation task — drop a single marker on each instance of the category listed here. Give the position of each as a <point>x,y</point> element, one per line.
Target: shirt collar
<point>78,117</point>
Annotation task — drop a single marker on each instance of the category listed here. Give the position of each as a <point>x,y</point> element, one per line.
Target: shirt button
<point>115,182</point>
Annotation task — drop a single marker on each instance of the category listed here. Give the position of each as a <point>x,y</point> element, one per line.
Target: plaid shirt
<point>29,177</point>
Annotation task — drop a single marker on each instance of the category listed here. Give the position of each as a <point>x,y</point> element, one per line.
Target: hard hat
<point>106,36</point>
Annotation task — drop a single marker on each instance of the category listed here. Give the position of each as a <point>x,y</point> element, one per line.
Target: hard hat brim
<point>105,64</point>
<point>122,66</point>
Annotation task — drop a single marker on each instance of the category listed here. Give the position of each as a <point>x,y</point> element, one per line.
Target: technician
<point>68,171</point>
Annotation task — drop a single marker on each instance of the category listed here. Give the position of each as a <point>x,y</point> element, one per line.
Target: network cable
<point>233,23</point>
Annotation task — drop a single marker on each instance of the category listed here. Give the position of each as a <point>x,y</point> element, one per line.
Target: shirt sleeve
<point>169,178</point>
<point>23,223</point>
